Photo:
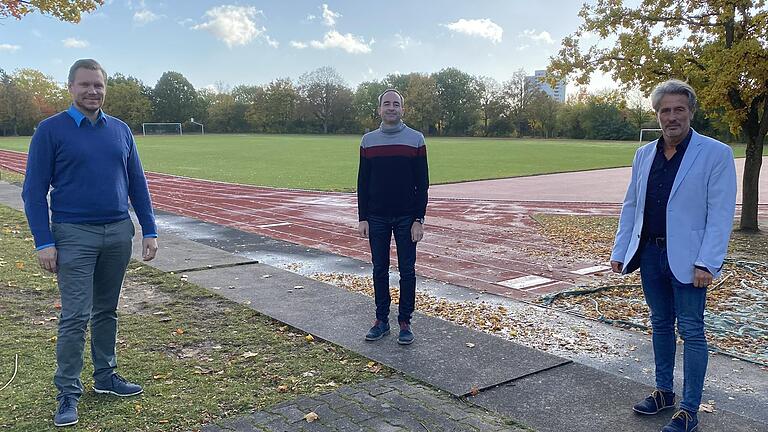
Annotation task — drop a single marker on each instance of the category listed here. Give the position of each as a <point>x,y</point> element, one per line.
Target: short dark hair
<point>85,64</point>
<point>673,86</point>
<point>402,99</point>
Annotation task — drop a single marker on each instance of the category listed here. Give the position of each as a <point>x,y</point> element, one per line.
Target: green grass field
<point>330,162</point>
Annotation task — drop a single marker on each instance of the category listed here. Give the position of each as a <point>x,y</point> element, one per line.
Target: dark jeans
<point>380,230</point>
<point>671,300</point>
<point>92,260</point>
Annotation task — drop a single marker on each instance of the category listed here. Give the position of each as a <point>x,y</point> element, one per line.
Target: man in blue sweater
<point>89,162</point>
<point>392,184</point>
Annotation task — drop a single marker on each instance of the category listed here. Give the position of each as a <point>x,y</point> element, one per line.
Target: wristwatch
<point>419,220</point>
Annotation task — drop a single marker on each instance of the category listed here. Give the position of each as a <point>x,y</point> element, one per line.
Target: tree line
<point>448,103</point>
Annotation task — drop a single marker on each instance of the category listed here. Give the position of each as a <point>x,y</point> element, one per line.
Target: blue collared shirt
<point>79,117</point>
<point>660,181</point>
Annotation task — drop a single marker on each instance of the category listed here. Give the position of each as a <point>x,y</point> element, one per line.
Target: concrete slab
<point>10,195</point>
<point>578,398</point>
<point>176,254</point>
<point>440,356</point>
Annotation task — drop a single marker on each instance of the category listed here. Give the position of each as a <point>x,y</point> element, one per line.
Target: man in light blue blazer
<point>675,224</point>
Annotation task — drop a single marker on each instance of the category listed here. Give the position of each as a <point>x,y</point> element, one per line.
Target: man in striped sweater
<point>392,184</point>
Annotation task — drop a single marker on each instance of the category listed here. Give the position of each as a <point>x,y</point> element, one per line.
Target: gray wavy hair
<point>676,87</point>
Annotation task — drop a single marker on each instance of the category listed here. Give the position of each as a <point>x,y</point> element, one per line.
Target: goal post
<point>647,130</point>
<point>161,129</point>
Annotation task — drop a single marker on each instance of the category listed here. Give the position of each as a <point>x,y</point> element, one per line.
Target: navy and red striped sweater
<point>393,177</point>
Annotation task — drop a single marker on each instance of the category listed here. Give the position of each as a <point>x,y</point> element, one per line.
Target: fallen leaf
<point>179,331</point>
<point>20,265</point>
<point>309,338</point>
<point>707,408</point>
<point>310,417</point>
<point>53,339</point>
<point>248,354</point>
<point>282,388</point>
<point>474,391</point>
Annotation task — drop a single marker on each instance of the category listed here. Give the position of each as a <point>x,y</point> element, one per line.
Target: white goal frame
<point>144,130</point>
<point>644,130</point>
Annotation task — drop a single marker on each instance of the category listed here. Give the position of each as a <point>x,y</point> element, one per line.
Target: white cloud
<point>74,43</point>
<point>348,42</point>
<point>311,17</point>
<point>298,45</point>
<point>404,42</point>
<point>484,28</point>
<point>329,16</point>
<point>539,37</point>
<point>145,16</point>
<point>234,25</point>
<point>9,48</point>
<point>271,42</point>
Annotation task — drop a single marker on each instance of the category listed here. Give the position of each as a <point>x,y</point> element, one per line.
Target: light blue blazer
<point>700,210</point>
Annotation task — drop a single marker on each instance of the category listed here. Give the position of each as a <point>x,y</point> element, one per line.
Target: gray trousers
<point>91,266</point>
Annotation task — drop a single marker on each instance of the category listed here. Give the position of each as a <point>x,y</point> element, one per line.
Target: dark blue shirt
<point>660,181</point>
<point>92,170</point>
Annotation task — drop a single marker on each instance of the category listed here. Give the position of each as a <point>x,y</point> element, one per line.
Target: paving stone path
<point>382,405</point>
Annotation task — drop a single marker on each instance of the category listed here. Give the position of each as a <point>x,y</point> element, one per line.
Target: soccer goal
<point>161,129</point>
<point>656,134</point>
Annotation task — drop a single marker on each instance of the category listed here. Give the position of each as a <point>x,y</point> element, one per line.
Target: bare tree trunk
<point>750,183</point>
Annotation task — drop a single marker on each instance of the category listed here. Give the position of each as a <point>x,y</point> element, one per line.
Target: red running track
<point>471,243</point>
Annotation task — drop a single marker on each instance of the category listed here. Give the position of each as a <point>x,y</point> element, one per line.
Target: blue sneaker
<point>118,386</point>
<point>406,335</point>
<point>682,421</point>
<point>378,331</point>
<point>656,402</point>
<point>66,414</point>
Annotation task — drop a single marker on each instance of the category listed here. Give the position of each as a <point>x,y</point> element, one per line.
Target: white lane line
<point>273,225</point>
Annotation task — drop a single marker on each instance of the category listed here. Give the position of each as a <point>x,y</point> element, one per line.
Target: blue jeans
<point>380,230</point>
<point>92,260</point>
<point>670,300</point>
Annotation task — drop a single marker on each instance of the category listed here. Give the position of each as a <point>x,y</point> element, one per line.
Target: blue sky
<point>253,42</point>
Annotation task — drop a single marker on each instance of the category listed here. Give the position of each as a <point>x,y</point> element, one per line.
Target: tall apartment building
<point>557,93</point>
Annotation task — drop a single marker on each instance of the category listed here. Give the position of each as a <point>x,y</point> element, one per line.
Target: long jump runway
<point>488,245</point>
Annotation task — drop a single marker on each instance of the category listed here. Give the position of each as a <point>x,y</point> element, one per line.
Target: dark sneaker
<point>378,331</point>
<point>656,402</point>
<point>406,335</point>
<point>66,414</point>
<point>118,386</point>
<point>682,421</point>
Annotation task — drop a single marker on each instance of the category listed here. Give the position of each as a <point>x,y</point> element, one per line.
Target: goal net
<point>649,134</point>
<point>161,129</point>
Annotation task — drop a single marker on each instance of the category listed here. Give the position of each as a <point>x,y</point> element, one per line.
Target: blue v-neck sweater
<point>92,170</point>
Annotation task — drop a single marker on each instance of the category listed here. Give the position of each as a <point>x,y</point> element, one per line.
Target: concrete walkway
<point>546,392</point>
